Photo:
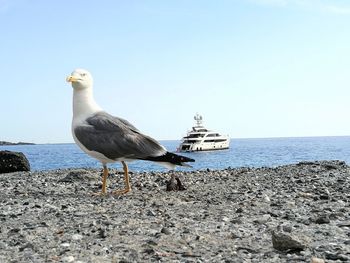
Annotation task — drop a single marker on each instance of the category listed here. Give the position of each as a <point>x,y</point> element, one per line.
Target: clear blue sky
<point>252,68</point>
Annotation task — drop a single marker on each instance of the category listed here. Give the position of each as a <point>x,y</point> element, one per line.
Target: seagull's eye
<point>83,74</point>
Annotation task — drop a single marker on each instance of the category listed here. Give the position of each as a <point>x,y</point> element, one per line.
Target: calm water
<point>243,152</point>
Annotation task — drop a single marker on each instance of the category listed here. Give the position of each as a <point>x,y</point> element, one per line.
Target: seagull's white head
<point>80,79</point>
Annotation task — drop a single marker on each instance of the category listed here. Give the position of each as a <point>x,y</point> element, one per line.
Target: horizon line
<point>231,138</point>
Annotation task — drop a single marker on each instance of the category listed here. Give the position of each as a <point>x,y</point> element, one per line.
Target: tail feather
<point>172,158</point>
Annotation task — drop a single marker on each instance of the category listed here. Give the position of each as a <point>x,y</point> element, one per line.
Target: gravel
<point>292,213</point>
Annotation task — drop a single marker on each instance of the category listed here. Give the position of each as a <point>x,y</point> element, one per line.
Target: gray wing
<point>116,138</point>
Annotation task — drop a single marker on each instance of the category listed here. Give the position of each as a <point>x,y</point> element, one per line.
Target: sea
<point>267,152</point>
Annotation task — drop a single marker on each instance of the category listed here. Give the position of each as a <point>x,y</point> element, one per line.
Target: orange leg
<point>127,183</point>
<point>104,182</point>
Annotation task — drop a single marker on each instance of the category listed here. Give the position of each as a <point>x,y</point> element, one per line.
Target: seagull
<point>111,139</point>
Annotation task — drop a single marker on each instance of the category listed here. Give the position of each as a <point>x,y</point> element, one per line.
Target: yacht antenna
<point>199,119</point>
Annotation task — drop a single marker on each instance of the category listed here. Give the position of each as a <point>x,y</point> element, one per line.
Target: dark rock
<point>299,181</point>
<point>102,233</point>
<point>189,254</point>
<point>26,246</point>
<point>283,242</point>
<point>234,235</point>
<point>151,213</point>
<point>324,197</point>
<point>239,210</point>
<point>287,228</point>
<point>13,162</point>
<point>322,219</point>
<point>330,166</point>
<point>174,184</point>
<point>165,231</point>
<point>14,231</point>
<point>336,256</point>
<point>262,219</point>
<point>186,231</point>
<point>306,163</point>
<point>149,251</point>
<point>344,224</point>
<point>152,243</point>
<point>236,221</point>
<point>79,175</point>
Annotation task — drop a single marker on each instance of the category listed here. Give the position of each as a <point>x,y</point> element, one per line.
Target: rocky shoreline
<point>4,143</point>
<point>292,213</point>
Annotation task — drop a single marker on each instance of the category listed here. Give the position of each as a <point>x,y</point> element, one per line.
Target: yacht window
<point>220,140</point>
<point>215,140</point>
<point>197,135</point>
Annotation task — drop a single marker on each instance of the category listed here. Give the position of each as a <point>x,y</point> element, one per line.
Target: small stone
<point>186,230</point>
<point>199,238</point>
<point>51,207</point>
<point>266,198</point>
<point>305,195</point>
<point>317,260</point>
<point>225,219</point>
<point>263,219</point>
<point>65,245</point>
<point>290,204</point>
<point>77,237</point>
<point>68,259</point>
<point>3,245</point>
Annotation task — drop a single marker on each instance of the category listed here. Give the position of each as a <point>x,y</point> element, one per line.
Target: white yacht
<point>202,139</point>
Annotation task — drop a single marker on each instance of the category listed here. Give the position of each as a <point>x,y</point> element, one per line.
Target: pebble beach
<point>292,213</point>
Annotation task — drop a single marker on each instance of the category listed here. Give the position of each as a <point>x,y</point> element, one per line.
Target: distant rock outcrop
<point>15,143</point>
<point>13,162</point>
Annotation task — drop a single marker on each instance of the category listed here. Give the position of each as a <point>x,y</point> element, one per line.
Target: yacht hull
<point>197,147</point>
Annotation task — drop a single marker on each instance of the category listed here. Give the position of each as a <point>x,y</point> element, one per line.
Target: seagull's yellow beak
<point>71,79</point>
